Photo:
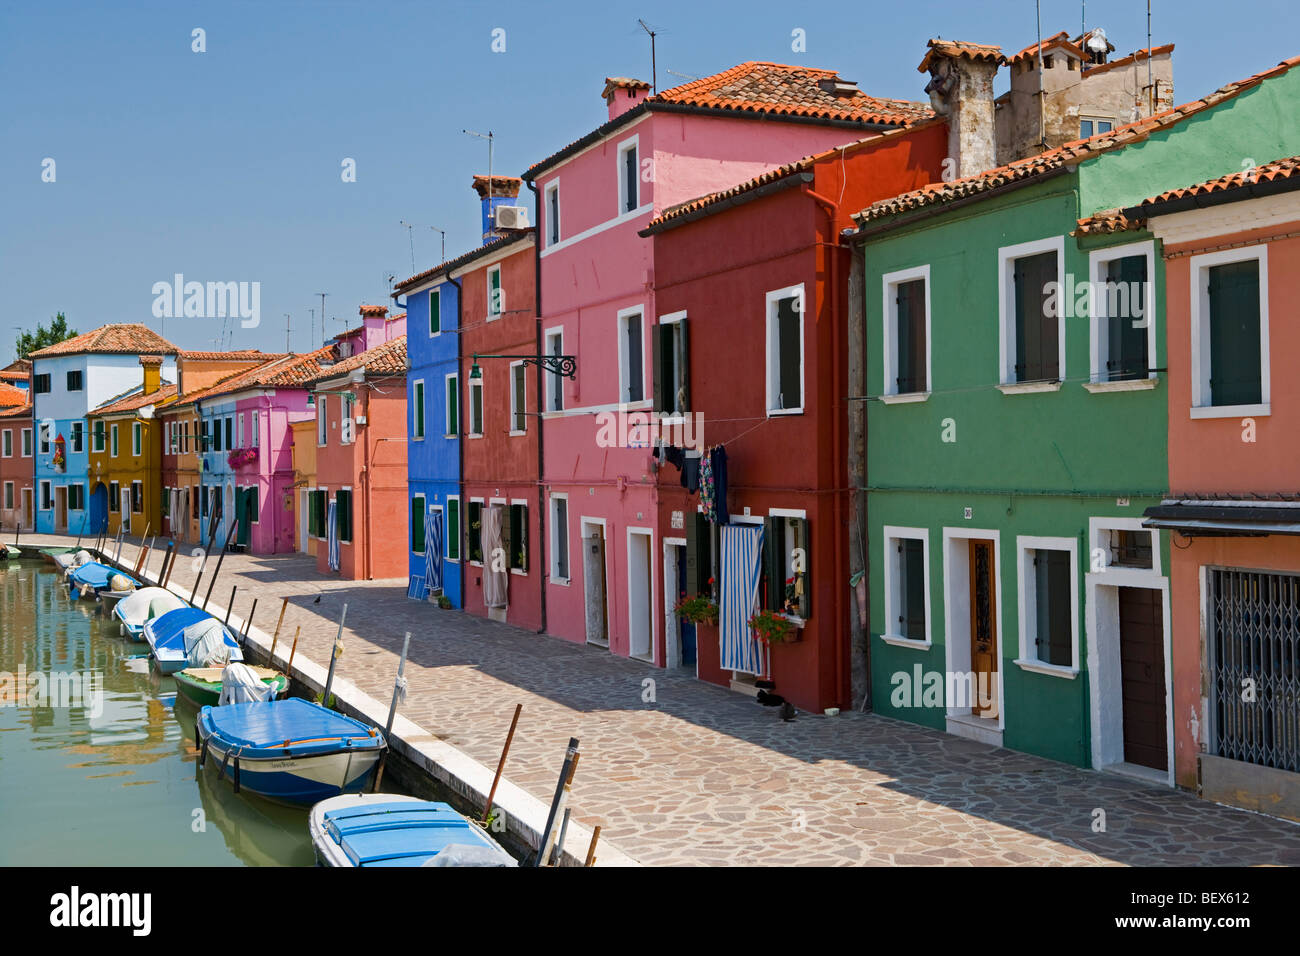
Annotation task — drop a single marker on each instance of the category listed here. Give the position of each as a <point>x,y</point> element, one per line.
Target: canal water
<point>97,759</point>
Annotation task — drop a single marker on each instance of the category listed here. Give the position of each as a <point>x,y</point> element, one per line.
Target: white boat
<point>388,829</point>
<point>143,605</point>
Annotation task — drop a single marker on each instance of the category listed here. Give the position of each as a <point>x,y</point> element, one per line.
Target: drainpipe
<point>842,643</point>
<point>544,567</point>
<point>460,440</point>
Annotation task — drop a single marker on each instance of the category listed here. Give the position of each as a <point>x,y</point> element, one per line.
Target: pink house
<point>606,563</point>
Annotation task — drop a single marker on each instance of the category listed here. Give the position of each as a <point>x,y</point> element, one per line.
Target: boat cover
<point>94,575</point>
<point>266,723</point>
<point>405,833</point>
<point>82,557</point>
<point>120,582</point>
<point>240,685</point>
<point>207,643</point>
<point>147,603</point>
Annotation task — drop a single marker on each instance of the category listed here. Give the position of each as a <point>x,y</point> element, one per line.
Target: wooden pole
<point>231,606</point>
<point>139,558</point>
<point>591,849</point>
<point>501,764</point>
<point>248,621</point>
<point>564,830</point>
<point>399,691</point>
<point>274,637</point>
<point>207,550</point>
<point>557,803</point>
<point>234,525</point>
<point>169,560</point>
<point>334,656</point>
<point>289,667</point>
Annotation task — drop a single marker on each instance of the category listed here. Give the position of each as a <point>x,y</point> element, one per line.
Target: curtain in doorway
<point>433,553</point>
<point>495,575</point>
<point>742,553</point>
<point>332,533</point>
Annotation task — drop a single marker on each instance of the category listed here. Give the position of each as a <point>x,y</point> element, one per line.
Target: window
<point>137,439</point>
<point>216,434</point>
<point>256,419</point>
<point>46,501</point>
<point>41,383</point>
<point>9,495</point>
<point>229,432</point>
<point>907,585</point>
<point>74,381</point>
<point>417,410</point>
<point>453,407</point>
<point>517,542</point>
<point>7,443</point>
<point>451,539</point>
<point>555,383</point>
<point>1091,126</point>
<point>317,507</point>
<point>907,332</point>
<point>560,538</point>
<point>476,408</point>
<point>165,503</point>
<point>1230,368</point>
<point>518,399</point>
<point>76,497</point>
<point>27,443</point>
<point>344,513</point>
<point>496,297</point>
<point>785,351</point>
<point>112,440</point>
<point>628,177</point>
<point>322,421</point>
<point>1048,601</point>
<point>1032,336</point>
<point>45,438</point>
<point>476,531</point>
<point>435,311</point>
<point>239,431</point>
<point>1123,312</point>
<point>670,364</point>
<point>346,431</point>
<point>76,436</point>
<point>417,524</point>
<point>194,501</point>
<point>137,497</point>
<point>553,213</point>
<point>787,581</point>
<point>631,357</point>
<point>114,496</point>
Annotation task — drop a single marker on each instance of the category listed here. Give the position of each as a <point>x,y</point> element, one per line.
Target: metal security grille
<point>1254,652</point>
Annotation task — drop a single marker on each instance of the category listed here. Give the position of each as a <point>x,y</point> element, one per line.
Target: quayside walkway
<point>702,776</point>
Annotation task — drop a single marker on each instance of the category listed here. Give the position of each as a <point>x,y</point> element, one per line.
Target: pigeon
<point>317,601</point>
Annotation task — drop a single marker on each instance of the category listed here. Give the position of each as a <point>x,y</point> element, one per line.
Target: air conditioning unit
<point>361,419</point>
<point>511,217</point>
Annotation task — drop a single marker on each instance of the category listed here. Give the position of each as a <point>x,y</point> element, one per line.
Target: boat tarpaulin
<point>273,722</point>
<point>241,685</point>
<point>207,643</point>
<point>742,555</point>
<point>146,603</point>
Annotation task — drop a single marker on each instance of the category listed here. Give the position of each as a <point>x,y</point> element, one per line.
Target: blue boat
<point>385,829</point>
<point>189,637</point>
<point>291,750</point>
<point>89,580</point>
<point>138,608</point>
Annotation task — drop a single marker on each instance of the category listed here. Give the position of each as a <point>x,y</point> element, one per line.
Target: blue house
<point>68,380</point>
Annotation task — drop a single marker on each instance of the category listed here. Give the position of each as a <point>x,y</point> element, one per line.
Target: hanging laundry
<point>718,467</point>
<point>707,502</point>
<point>691,474</point>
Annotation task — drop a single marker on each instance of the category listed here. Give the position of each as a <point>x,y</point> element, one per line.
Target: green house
<point>1013,361</point>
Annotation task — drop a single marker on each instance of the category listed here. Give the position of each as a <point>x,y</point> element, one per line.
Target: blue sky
<point>225,165</point>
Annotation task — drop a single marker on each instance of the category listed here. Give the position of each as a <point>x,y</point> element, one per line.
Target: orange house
<point>1232,277</point>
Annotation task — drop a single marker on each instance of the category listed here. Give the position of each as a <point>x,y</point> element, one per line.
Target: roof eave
<point>1238,193</point>
<point>794,178</point>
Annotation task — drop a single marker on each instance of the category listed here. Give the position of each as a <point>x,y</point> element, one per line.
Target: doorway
<point>99,508</point>
<point>679,645</point>
<point>1142,677</point>
<point>61,508</point>
<point>29,508</point>
<point>594,584</point>
<point>972,572</point>
<point>125,506</point>
<point>640,594</point>
<point>983,626</point>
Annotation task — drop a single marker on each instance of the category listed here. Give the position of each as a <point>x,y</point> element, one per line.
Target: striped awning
<point>332,533</point>
<point>742,555</point>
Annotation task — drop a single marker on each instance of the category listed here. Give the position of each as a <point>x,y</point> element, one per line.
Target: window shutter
<point>774,562</point>
<point>507,536</point>
<point>417,525</point>
<point>698,554</point>
<point>789,348</point>
<point>562,537</point>
<point>657,366</point>
<point>1052,573</point>
<point>805,600</point>
<point>453,528</point>
<point>1234,334</point>
<point>683,383</point>
<point>1127,345</point>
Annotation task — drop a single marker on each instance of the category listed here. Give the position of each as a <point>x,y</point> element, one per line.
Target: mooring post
<point>231,606</point>
<point>248,621</point>
<point>399,693</point>
<point>564,830</point>
<point>221,557</point>
<point>288,668</point>
<point>334,656</point>
<point>207,550</point>
<point>557,802</point>
<point>501,764</point>
<point>591,848</point>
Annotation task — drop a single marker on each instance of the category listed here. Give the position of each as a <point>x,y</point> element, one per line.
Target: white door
<point>640,599</point>
<point>126,508</point>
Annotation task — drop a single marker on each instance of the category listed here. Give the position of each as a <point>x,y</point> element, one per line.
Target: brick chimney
<point>504,192</point>
<point>961,91</point>
<point>152,365</point>
<point>373,320</point>
<point>623,93</point>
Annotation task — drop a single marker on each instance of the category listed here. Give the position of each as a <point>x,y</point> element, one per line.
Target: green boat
<point>202,685</point>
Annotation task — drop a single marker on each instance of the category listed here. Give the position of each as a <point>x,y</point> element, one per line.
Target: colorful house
<point>302,437</point>
<point>359,505</point>
<point>17,492</point>
<point>1232,266</point>
<point>598,303</point>
<point>68,380</point>
<point>1018,407</point>
<point>125,462</point>
<point>773,305</point>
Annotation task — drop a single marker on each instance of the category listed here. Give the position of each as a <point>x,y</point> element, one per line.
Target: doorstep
<point>1133,771</point>
<point>983,729</point>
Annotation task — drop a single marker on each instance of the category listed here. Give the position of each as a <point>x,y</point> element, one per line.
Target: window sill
<point>905,398</point>
<point>1028,388</point>
<point>898,641</point>
<point>417,438</point>
<point>1124,385</point>
<point>772,412</point>
<point>478,435</point>
<point>519,573</point>
<point>562,582</point>
<point>449,437</point>
<point>1230,411</point>
<point>1052,670</point>
<point>516,434</point>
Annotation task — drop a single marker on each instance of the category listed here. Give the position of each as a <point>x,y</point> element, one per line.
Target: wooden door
<point>1142,677</point>
<point>983,626</point>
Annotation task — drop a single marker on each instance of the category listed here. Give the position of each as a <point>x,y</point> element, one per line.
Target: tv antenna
<point>490,137</point>
<point>654,84</point>
<point>322,317</point>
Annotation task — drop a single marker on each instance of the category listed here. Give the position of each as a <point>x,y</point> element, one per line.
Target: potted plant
<point>444,602</point>
<point>698,610</point>
<point>771,627</point>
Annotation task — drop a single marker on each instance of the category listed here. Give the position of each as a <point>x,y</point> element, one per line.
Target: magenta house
<point>611,578</point>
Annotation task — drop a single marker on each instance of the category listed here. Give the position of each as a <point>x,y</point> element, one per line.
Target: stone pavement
<point>702,776</point>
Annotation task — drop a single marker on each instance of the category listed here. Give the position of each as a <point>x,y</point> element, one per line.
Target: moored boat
<point>189,637</point>
<point>141,606</point>
<point>89,580</point>
<point>291,750</point>
<point>386,829</point>
<point>202,685</point>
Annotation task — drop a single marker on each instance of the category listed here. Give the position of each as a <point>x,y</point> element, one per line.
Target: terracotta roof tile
<point>17,411</point>
<point>237,356</point>
<point>1107,222</point>
<point>12,396</point>
<point>374,310</point>
<point>961,49</point>
<point>1069,154</point>
<point>282,371</point>
<point>128,338</point>
<point>1276,171</point>
<point>136,400</point>
<point>502,186</point>
<point>1137,56</point>
<point>386,359</point>
<point>1060,40</point>
<point>7,375</point>
<point>451,265</point>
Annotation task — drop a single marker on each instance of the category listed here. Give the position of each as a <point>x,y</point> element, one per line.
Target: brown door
<point>983,628</point>
<point>1142,676</point>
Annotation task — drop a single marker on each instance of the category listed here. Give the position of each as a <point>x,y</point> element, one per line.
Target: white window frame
<point>1006,315</point>
<point>47,494</point>
<point>890,282</point>
<point>510,506</point>
<point>7,443</point>
<point>1095,120</point>
<point>419,425</point>
<point>670,418</point>
<point>28,443</point>
<point>482,508</point>
<point>514,402</point>
<point>1119,575</point>
<point>114,440</point>
<point>774,371</point>
<point>1200,328</point>
<point>476,383</point>
<point>450,381</point>
<point>239,430</point>
<point>553,236</point>
<point>892,534</point>
<point>424,510</point>
<point>460,531</point>
<point>500,302</point>
<point>1099,336</point>
<point>624,359</point>
<point>552,513</point>
<point>76,437</point>
<point>134,484</point>
<point>1026,599</point>
<point>322,421</point>
<point>435,303</point>
<point>46,438</point>
<point>556,332</point>
<point>631,143</point>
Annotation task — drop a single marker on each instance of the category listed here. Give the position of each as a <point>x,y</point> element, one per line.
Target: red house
<point>758,277</point>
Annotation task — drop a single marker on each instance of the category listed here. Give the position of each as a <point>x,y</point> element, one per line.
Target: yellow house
<point>304,478</point>
<point>126,453</point>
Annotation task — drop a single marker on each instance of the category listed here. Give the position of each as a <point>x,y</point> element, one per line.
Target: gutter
<point>463,506</point>
<point>543,567</point>
<point>1256,190</point>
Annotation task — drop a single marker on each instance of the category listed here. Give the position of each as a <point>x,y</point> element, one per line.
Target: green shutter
<point>1126,345</point>
<point>1037,355</point>
<point>453,410</point>
<point>453,529</point>
<point>683,383</point>
<point>1235,334</point>
<point>417,525</point>
<point>435,312</point>
<point>657,366</point>
<point>910,326</point>
<point>911,619</point>
<point>774,562</point>
<point>419,409</point>
<point>1052,594</point>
